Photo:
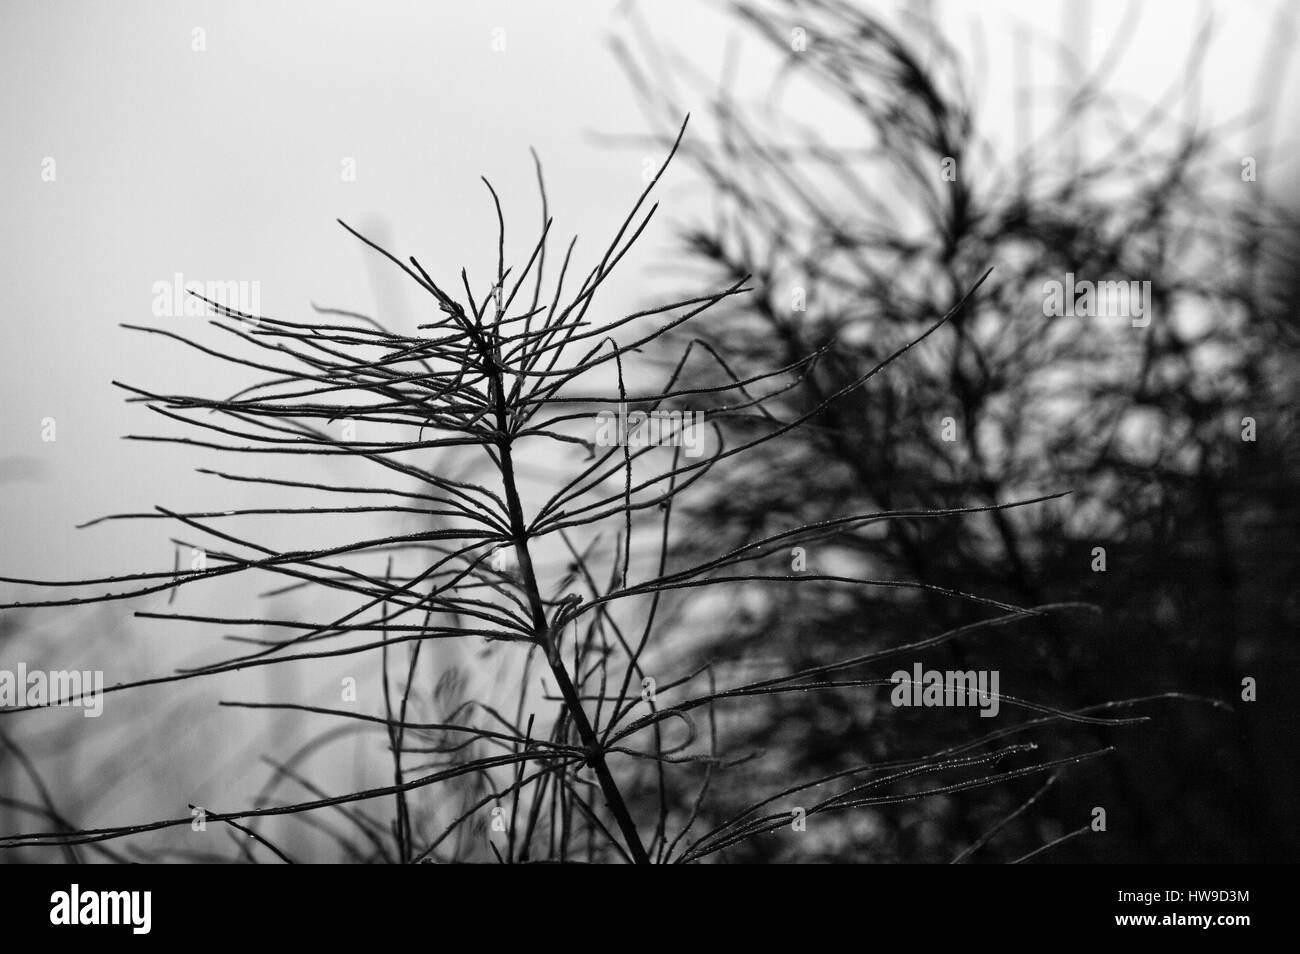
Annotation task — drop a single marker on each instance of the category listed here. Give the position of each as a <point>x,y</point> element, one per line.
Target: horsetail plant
<point>497,379</point>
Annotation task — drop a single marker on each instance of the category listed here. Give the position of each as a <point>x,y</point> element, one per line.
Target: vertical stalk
<point>542,630</point>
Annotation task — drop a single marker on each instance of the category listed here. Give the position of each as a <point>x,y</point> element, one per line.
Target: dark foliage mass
<point>1148,427</point>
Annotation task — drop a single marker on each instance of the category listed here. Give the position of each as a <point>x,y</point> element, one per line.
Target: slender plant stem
<point>542,634</point>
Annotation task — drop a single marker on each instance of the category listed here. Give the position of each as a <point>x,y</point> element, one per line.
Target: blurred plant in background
<point>1175,437</point>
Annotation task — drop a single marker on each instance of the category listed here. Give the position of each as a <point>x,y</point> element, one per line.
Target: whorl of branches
<point>494,375</point>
